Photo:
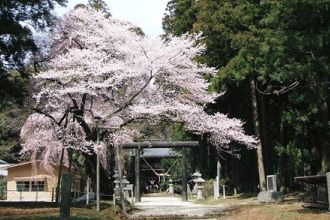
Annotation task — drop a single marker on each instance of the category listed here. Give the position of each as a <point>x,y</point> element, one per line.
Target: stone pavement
<point>174,208</point>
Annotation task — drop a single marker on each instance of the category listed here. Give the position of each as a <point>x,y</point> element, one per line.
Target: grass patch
<point>246,207</point>
<point>76,213</point>
<point>280,211</point>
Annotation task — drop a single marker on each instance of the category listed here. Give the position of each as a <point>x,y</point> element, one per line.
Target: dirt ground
<point>273,212</point>
<point>251,209</point>
<point>232,208</point>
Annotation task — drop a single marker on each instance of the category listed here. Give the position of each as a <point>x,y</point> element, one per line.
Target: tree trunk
<point>105,183</point>
<point>315,151</point>
<point>283,160</point>
<point>59,177</point>
<point>283,163</point>
<point>202,157</point>
<point>260,159</point>
<point>60,166</point>
<point>266,136</point>
<point>325,161</point>
<point>195,159</point>
<point>120,172</point>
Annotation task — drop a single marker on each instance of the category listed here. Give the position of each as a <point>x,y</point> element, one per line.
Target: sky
<point>147,14</point>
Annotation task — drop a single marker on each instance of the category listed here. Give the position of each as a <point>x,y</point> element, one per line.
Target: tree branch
<point>130,121</point>
<point>47,115</point>
<point>128,102</point>
<point>78,115</point>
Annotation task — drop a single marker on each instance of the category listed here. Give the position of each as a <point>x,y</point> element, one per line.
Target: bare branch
<point>47,115</point>
<point>278,92</point>
<point>128,102</point>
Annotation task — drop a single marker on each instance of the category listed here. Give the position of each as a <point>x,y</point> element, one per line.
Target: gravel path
<point>174,208</point>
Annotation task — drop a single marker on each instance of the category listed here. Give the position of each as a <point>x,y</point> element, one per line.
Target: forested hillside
<point>17,45</point>
<point>273,60</point>
<point>272,68</point>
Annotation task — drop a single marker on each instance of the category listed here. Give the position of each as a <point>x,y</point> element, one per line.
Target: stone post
<point>328,188</point>
<point>87,191</point>
<point>125,183</point>
<point>171,187</point>
<point>116,190</point>
<point>216,193</point>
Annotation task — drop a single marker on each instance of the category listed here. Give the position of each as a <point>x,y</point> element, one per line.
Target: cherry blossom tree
<point>101,68</point>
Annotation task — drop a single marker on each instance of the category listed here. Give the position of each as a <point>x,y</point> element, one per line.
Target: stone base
<point>269,196</point>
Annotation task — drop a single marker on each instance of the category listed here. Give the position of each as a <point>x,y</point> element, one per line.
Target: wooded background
<point>274,66</point>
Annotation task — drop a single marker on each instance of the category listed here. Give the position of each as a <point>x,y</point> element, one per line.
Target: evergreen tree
<point>226,29</point>
<point>283,47</point>
<point>17,20</point>
<point>180,17</point>
<point>99,5</point>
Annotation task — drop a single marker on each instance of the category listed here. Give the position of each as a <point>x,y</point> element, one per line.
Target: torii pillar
<point>184,192</point>
<point>137,175</point>
<point>160,144</point>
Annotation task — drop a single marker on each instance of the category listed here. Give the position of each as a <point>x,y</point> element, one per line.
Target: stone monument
<point>271,195</point>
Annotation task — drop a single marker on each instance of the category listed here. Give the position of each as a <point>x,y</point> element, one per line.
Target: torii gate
<point>160,144</point>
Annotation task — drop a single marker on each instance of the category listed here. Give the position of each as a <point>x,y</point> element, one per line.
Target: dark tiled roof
<point>3,162</point>
<point>159,152</point>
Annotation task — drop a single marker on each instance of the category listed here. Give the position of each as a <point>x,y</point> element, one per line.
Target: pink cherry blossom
<point>100,67</point>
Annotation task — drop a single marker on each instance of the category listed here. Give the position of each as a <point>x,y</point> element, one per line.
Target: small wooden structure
<point>29,181</point>
<point>151,167</point>
<point>160,144</point>
<point>317,191</point>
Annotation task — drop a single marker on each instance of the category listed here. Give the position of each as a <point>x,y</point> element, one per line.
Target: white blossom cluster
<point>101,67</point>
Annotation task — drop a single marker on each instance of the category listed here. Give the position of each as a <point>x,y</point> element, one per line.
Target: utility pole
<point>98,173</point>
<point>184,192</point>
<point>97,164</point>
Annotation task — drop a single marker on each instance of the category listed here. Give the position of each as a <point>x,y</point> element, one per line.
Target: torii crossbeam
<point>160,144</point>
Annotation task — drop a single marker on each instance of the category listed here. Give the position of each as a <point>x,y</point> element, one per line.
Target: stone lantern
<point>125,183</point>
<point>196,175</point>
<point>116,181</point>
<point>171,187</point>
<point>199,185</point>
